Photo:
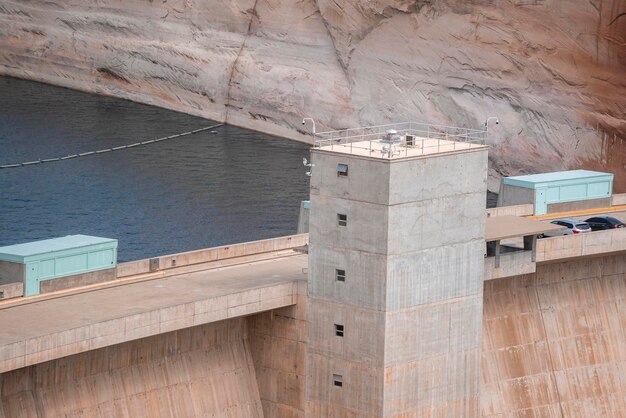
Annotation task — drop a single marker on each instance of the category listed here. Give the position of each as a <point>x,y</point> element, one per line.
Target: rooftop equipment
<point>390,139</point>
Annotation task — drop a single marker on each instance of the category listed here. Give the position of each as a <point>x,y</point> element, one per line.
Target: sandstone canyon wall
<point>553,71</point>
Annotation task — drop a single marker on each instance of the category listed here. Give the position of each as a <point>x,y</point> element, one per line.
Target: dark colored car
<point>600,223</point>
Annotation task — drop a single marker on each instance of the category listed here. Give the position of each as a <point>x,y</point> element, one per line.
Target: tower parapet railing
<point>429,138</point>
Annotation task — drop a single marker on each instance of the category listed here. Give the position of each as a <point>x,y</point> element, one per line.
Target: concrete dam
<point>405,299</point>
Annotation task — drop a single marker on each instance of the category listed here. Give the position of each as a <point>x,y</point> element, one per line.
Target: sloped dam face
<point>554,342</point>
<point>553,346</point>
<point>244,367</point>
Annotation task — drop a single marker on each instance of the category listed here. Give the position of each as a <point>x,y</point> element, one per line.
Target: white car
<point>574,226</point>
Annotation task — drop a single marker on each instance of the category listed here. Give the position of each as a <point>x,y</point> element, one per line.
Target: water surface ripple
<point>172,196</point>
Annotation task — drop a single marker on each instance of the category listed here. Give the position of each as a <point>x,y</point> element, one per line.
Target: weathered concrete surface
<point>511,264</point>
<point>618,199</point>
<point>46,329</point>
<point>216,256</point>
<point>575,246</point>
<point>277,341</point>
<point>515,210</point>
<point>579,205</point>
<point>554,343</point>
<point>11,272</point>
<point>201,371</point>
<point>552,70</point>
<point>410,305</point>
<point>84,279</point>
<point>11,290</point>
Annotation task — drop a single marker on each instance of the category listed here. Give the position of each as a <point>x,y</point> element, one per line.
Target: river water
<point>178,195</point>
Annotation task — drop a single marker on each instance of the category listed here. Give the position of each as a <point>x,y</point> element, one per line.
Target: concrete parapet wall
<point>66,342</point>
<point>618,199</point>
<point>513,210</point>
<point>200,371</point>
<point>132,268</point>
<point>554,343</point>
<point>12,290</point>
<point>214,254</point>
<point>12,272</point>
<point>77,280</point>
<point>589,244</point>
<point>578,205</point>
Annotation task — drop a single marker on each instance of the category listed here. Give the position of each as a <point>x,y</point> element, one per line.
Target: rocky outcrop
<point>551,70</point>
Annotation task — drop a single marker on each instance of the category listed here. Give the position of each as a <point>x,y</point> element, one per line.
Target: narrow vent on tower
<point>339,330</point>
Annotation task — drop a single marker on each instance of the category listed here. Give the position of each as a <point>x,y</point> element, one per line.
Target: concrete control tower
<point>396,263</point>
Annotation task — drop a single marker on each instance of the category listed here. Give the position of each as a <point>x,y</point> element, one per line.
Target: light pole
<point>489,119</point>
<point>312,121</point>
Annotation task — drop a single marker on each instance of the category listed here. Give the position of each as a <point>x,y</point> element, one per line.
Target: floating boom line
<point>102,151</point>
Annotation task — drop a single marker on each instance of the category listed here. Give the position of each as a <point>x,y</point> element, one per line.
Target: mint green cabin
<point>34,262</point>
<point>559,191</point>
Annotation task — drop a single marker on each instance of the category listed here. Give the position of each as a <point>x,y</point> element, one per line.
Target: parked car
<point>600,223</point>
<point>574,226</point>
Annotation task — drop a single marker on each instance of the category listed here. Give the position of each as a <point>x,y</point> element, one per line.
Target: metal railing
<point>424,135</point>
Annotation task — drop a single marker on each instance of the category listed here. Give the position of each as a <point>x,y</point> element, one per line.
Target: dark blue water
<point>172,196</point>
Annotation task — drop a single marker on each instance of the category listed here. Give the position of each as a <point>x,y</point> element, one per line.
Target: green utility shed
<point>34,262</point>
<point>558,191</point>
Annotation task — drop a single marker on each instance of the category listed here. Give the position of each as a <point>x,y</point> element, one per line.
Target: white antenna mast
<point>306,162</point>
<point>489,119</point>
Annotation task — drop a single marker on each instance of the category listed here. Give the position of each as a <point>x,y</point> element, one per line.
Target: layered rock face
<point>553,71</point>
